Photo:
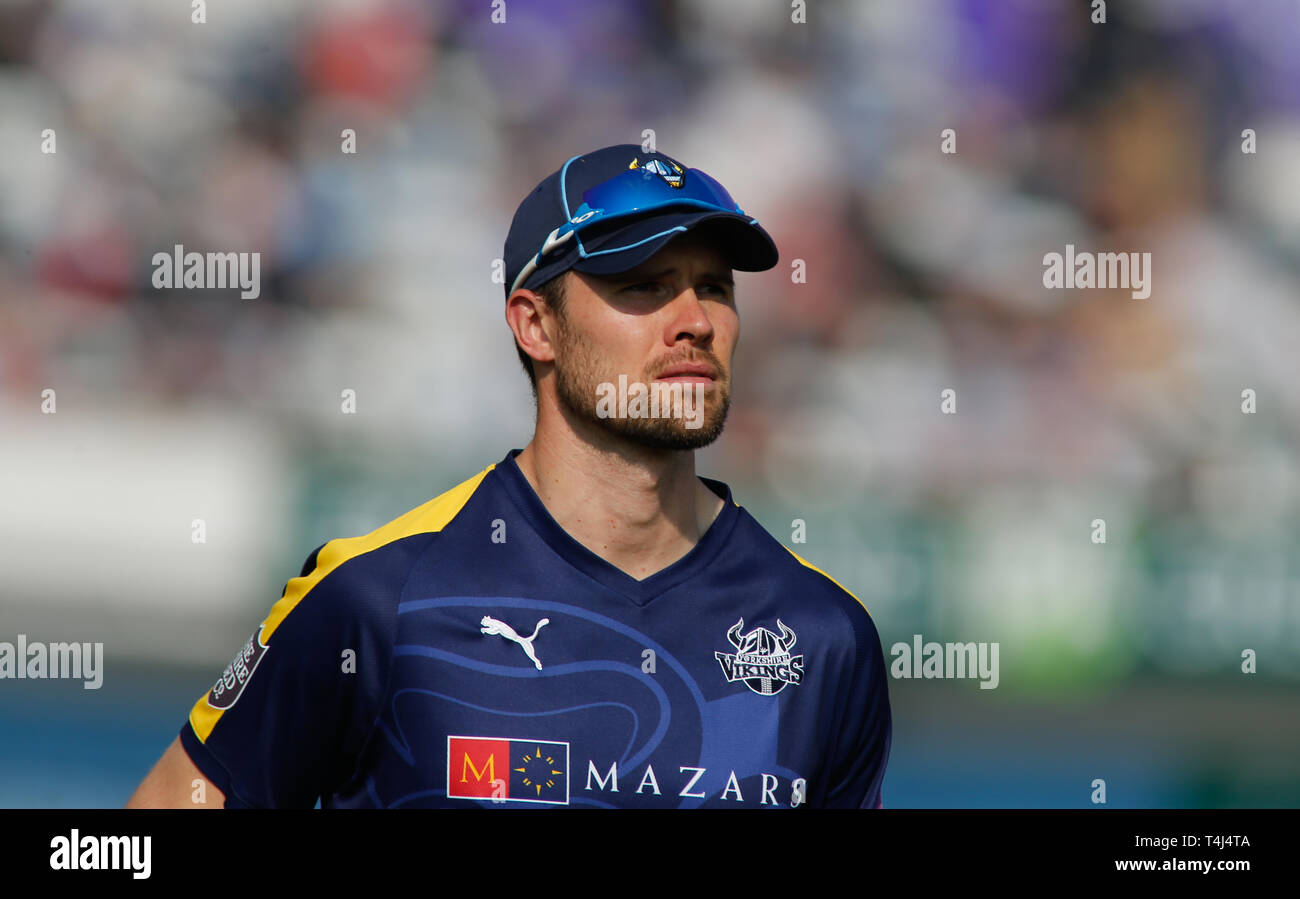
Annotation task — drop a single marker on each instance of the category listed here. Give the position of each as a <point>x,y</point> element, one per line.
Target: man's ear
<point>524,315</point>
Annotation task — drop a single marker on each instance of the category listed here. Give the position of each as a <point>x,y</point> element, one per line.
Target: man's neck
<point>640,510</point>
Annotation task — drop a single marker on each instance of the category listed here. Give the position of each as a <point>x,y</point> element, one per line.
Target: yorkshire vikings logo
<point>762,659</point>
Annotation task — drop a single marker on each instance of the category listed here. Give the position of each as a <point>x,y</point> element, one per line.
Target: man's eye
<point>716,289</point>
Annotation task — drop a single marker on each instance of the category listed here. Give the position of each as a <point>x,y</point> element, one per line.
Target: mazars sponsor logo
<point>690,782</point>
<point>90,853</point>
<point>506,769</point>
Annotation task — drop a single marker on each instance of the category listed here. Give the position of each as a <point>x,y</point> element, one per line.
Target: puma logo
<point>493,626</point>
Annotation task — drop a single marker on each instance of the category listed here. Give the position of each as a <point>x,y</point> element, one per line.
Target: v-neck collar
<point>639,592</point>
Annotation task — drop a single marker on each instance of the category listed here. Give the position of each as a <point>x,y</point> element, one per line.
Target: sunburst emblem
<point>539,770</point>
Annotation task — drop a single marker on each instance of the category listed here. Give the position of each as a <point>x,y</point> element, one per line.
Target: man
<point>585,622</point>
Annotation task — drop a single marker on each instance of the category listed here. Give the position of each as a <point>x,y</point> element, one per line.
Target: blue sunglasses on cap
<point>636,191</point>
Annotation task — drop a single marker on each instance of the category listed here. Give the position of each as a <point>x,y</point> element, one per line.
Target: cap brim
<point>743,242</point>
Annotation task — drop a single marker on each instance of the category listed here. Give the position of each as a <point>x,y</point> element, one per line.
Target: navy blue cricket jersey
<point>472,653</point>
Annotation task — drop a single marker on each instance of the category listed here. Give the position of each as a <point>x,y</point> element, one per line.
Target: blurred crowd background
<point>1120,661</point>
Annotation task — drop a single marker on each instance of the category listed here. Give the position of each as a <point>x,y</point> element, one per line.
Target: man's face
<point>670,321</point>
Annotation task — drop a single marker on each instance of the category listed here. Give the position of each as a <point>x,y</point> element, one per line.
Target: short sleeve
<point>285,722</point>
<point>863,745</point>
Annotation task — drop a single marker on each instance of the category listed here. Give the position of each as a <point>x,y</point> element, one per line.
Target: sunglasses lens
<point>705,185</point>
<point>634,191</point>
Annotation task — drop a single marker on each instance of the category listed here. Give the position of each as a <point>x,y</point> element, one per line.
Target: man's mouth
<point>689,373</point>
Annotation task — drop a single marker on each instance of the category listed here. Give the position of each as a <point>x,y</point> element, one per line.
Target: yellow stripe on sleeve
<point>808,564</point>
<point>431,517</point>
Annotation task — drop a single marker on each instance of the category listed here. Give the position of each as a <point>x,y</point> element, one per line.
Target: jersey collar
<point>640,592</point>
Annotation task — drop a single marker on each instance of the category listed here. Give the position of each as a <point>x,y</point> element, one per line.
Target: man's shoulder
<point>347,575</point>
<point>432,516</point>
<point>826,585</point>
<point>821,609</point>
<point>814,585</point>
<point>428,518</point>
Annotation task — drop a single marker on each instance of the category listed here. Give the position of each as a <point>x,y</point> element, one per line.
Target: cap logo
<point>673,176</point>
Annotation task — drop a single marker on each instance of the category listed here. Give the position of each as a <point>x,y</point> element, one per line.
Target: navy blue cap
<point>741,240</point>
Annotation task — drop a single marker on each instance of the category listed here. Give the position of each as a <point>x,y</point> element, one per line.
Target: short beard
<point>576,382</point>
